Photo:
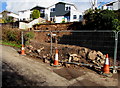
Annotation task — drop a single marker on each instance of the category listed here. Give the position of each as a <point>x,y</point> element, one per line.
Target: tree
<point>101,20</point>
<point>8,19</point>
<point>35,14</point>
<point>116,24</point>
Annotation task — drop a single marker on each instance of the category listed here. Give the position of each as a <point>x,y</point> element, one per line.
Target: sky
<point>18,5</point>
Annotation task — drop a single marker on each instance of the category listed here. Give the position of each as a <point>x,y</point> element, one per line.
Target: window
<point>68,18</point>
<point>52,9</point>
<point>80,17</point>
<point>74,16</point>
<point>52,19</point>
<point>22,11</point>
<point>67,8</point>
<point>42,11</point>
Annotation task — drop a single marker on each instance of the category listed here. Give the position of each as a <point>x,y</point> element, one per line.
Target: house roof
<point>23,10</point>
<point>7,12</point>
<point>48,6</point>
<point>33,8</point>
<point>110,3</point>
<point>37,7</point>
<point>63,3</point>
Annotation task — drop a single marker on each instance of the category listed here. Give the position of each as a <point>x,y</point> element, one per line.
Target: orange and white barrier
<point>106,69</point>
<point>56,57</point>
<point>22,50</point>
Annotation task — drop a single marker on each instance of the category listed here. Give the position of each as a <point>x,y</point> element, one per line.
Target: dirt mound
<point>67,53</point>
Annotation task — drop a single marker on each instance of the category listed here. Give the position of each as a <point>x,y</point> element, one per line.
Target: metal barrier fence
<point>108,42</point>
<point>95,40</point>
<point>118,49</point>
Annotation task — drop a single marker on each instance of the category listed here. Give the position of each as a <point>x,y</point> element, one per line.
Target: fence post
<point>22,49</point>
<point>51,43</point>
<point>22,38</point>
<point>115,52</point>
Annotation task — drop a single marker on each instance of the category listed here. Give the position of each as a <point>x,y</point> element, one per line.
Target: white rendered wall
<point>47,14</point>
<point>25,15</point>
<point>116,6</point>
<point>49,10</point>
<point>13,15</point>
<point>74,12</point>
<point>0,15</point>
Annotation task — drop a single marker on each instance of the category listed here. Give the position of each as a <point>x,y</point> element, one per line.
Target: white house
<point>0,16</point>
<point>24,15</point>
<point>5,14</point>
<point>114,5</point>
<point>57,13</point>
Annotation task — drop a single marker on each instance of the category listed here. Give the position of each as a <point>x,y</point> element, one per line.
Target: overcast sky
<point>18,5</point>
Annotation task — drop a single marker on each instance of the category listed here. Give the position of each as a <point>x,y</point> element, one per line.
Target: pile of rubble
<point>68,53</point>
<point>94,57</point>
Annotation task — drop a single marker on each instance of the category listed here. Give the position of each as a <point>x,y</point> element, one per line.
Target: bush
<point>14,35</point>
<point>8,20</point>
<point>116,24</point>
<point>101,20</point>
<point>28,36</point>
<point>9,34</point>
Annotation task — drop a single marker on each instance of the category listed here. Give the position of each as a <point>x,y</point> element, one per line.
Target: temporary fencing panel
<point>103,41</point>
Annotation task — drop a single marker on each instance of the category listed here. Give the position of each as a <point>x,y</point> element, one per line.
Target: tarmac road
<point>20,70</point>
<point>24,71</point>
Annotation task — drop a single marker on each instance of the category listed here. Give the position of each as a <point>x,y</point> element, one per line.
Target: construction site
<point>72,55</point>
<point>60,44</point>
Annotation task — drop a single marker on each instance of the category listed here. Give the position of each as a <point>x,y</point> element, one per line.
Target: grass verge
<point>10,44</point>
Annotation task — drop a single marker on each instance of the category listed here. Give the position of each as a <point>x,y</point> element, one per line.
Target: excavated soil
<point>63,50</point>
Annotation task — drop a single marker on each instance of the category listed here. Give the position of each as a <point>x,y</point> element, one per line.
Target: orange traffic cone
<point>23,50</point>
<point>106,69</point>
<point>56,63</point>
<point>56,58</point>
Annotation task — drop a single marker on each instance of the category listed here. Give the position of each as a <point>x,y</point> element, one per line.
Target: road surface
<point>20,70</point>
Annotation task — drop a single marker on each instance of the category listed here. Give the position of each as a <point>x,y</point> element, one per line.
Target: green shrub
<point>116,24</point>
<point>14,35</point>
<point>101,20</point>
<point>28,36</point>
<point>9,34</point>
<point>8,19</point>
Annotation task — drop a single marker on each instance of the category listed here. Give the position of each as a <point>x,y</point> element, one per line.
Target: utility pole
<point>93,4</point>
